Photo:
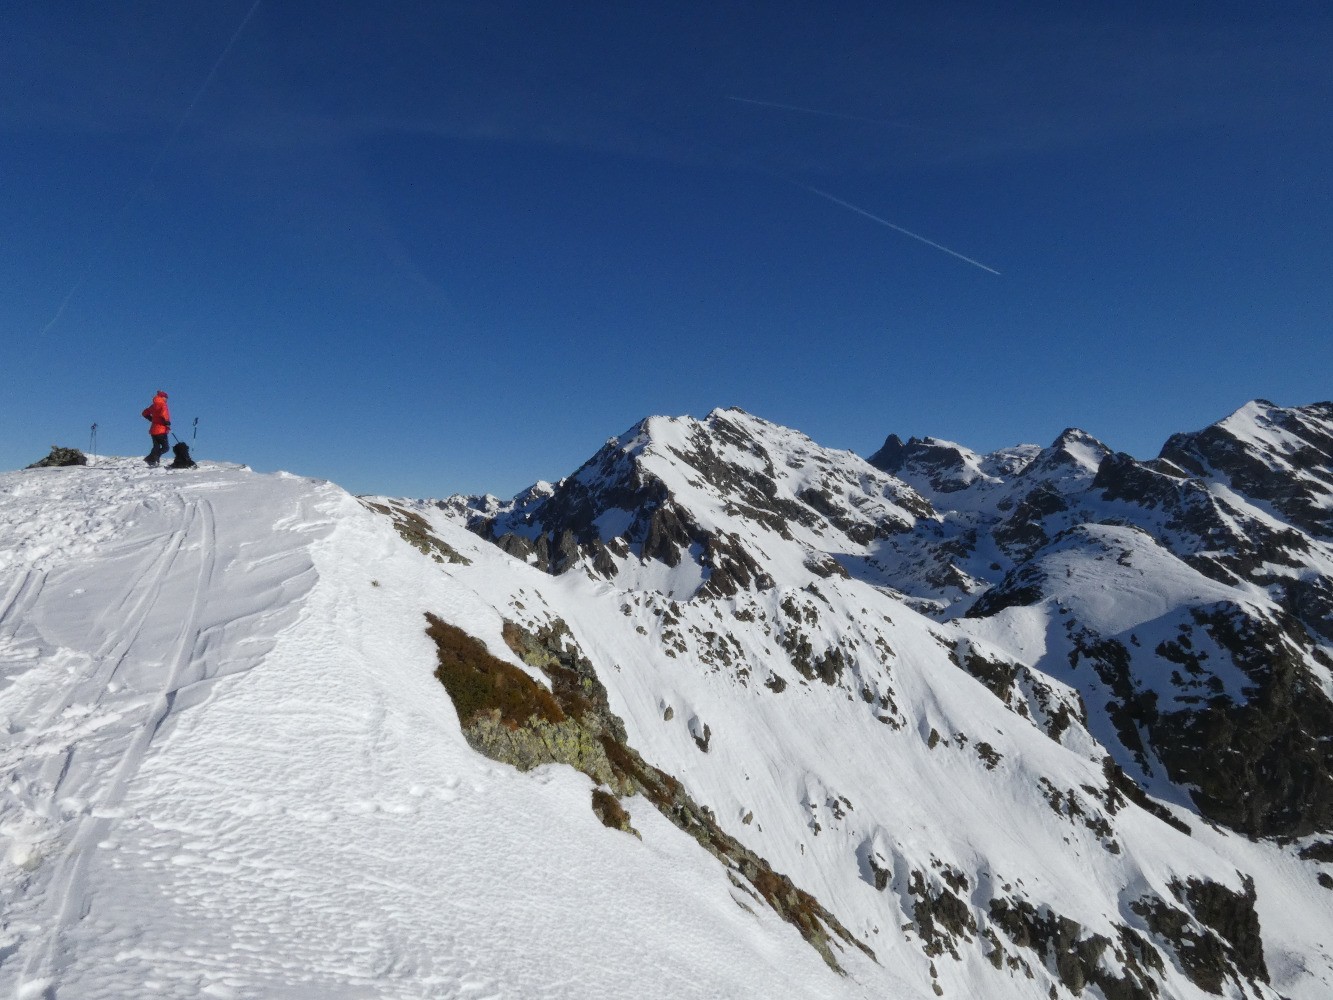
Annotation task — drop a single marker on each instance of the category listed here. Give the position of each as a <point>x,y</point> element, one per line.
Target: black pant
<point>159,449</point>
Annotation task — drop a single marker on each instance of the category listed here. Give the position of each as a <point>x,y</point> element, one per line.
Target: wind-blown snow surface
<point>227,771</point>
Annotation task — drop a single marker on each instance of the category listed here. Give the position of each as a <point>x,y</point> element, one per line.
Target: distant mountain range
<point>1169,622</point>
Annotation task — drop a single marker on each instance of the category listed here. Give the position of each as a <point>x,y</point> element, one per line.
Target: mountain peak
<point>892,455</point>
<point>1077,447</point>
<point>1280,455</point>
<point>682,505</point>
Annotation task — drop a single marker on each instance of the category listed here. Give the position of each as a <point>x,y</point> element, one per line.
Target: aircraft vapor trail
<point>896,228</point>
<point>152,168</point>
<point>189,110</point>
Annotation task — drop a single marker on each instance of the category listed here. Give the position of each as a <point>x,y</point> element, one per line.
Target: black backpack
<point>183,460</point>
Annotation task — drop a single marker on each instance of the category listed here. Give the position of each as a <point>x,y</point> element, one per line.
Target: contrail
<point>896,228</point>
<point>189,110</point>
<point>152,169</point>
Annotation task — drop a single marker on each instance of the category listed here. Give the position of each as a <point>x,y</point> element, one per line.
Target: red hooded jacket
<point>158,413</point>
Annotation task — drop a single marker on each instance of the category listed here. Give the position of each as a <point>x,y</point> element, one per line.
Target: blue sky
<point>427,247</point>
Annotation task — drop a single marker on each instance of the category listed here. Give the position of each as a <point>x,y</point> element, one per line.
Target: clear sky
<point>426,247</point>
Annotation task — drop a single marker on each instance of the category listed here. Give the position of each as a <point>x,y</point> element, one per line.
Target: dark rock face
<point>1216,939</point>
<point>1023,532</point>
<point>1022,587</point>
<point>942,463</point>
<point>1264,765</point>
<point>1078,957</point>
<point>1122,477</point>
<point>892,456</point>
<point>615,507</point>
<point>1232,915</point>
<point>554,531</point>
<point>1260,763</point>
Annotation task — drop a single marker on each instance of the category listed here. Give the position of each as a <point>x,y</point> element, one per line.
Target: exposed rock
<point>943,465</point>
<point>1233,916</point>
<point>892,456</point>
<point>1266,475</point>
<point>1319,851</point>
<point>1020,588</point>
<point>942,919</point>
<point>562,725</point>
<point>1264,765</point>
<point>1078,958</point>
<point>1220,940</point>
<point>61,456</point>
<point>612,814</point>
<point>702,734</point>
<point>416,531</point>
<point>1023,532</point>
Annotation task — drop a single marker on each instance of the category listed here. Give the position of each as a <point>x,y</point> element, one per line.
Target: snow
<point>227,770</point>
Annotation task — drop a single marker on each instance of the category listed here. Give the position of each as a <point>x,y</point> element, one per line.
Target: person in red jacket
<point>159,426</point>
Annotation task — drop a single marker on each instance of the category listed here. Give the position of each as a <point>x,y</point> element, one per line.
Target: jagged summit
<point>686,506</point>
<point>1075,448</point>
<point>932,465</point>
<point>1283,457</point>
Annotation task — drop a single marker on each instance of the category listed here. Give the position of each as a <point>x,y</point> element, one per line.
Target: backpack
<point>183,460</point>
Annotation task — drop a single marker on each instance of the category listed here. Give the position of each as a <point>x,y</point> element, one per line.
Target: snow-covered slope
<point>946,724</point>
<point>227,771</point>
<point>865,757</point>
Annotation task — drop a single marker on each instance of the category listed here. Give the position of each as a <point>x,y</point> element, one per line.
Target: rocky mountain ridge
<point>1164,622</point>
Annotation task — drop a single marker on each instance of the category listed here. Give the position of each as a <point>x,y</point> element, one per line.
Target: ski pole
<point>195,435</point>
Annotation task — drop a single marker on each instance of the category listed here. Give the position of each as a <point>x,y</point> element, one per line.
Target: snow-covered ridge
<point>226,770</point>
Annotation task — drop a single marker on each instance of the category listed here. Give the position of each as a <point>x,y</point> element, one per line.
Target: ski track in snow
<point>75,747</point>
